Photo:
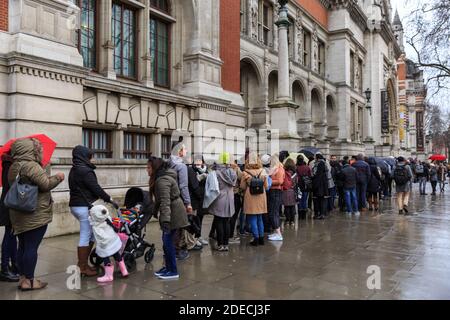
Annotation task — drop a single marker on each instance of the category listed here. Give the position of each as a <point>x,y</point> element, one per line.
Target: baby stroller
<point>132,222</point>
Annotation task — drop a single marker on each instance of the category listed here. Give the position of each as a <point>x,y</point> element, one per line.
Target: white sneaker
<point>276,237</point>
<point>357,213</point>
<point>234,240</point>
<point>203,241</point>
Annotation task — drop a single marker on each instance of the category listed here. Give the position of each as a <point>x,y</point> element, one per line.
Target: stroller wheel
<point>94,259</point>
<point>149,255</point>
<point>130,261</point>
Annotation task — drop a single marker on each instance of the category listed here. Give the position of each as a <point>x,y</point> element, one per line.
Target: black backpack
<point>256,184</point>
<point>401,176</point>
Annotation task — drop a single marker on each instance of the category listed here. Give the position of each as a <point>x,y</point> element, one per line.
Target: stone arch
<point>251,90</point>
<point>392,99</point>
<point>272,82</point>
<point>300,98</point>
<point>317,115</point>
<point>332,116</point>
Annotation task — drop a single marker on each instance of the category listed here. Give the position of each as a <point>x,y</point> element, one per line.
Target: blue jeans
<point>303,205</point>
<point>422,184</point>
<point>256,222</point>
<point>27,254</point>
<point>9,248</point>
<point>351,200</point>
<point>361,190</point>
<point>332,198</point>
<point>86,234</point>
<point>170,258</point>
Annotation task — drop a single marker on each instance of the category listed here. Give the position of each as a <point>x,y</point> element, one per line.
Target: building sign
<point>403,121</point>
<point>420,132</point>
<point>384,112</point>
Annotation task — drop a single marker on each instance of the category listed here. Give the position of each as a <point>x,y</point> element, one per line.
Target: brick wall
<point>230,44</point>
<point>317,10</point>
<point>4,15</point>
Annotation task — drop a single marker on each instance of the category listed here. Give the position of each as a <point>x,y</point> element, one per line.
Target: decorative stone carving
<point>254,18</point>
<point>299,30</point>
<point>315,50</point>
<point>357,70</point>
<point>276,16</point>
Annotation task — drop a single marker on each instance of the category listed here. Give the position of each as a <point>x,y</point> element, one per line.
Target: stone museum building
<point>127,77</point>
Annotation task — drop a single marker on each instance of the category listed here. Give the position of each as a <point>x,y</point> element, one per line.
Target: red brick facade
<point>316,10</point>
<point>230,44</point>
<point>4,15</point>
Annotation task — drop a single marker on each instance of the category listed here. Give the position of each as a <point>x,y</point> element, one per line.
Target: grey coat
<point>223,205</point>
<point>407,186</point>
<point>176,163</point>
<point>168,201</point>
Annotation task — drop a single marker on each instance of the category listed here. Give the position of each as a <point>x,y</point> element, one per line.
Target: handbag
<point>22,196</point>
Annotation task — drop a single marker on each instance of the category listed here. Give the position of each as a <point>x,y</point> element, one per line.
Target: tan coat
<point>254,204</point>
<point>27,158</point>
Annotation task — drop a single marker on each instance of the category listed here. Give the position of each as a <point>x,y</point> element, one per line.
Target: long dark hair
<point>158,165</point>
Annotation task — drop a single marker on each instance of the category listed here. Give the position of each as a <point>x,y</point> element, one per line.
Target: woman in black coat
<point>8,271</point>
<point>320,189</point>
<point>84,190</point>
<point>374,185</point>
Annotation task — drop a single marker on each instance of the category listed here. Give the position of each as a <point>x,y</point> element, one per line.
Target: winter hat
<point>224,158</point>
<point>265,159</point>
<point>99,213</point>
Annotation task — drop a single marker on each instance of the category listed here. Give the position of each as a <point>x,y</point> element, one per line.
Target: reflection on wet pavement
<point>317,260</point>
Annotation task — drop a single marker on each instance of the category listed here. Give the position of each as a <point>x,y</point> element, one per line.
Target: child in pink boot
<point>108,242</point>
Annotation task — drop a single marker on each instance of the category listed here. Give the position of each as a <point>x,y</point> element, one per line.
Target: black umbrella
<point>309,152</point>
<point>382,164</point>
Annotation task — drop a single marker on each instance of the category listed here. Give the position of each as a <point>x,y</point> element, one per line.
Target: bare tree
<point>437,126</point>
<point>429,36</point>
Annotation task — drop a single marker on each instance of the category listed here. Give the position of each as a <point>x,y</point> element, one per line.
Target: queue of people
<point>249,199</point>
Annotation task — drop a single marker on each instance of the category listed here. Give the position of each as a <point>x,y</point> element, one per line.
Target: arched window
<point>160,42</point>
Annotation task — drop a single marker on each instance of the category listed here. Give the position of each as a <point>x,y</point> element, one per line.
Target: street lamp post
<point>368,94</point>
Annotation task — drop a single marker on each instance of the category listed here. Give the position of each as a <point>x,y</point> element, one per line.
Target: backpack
<point>287,183</point>
<point>305,183</point>
<point>256,184</point>
<point>419,168</point>
<point>401,176</point>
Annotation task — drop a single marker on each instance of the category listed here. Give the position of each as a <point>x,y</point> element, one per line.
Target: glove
<point>165,227</point>
<point>115,204</point>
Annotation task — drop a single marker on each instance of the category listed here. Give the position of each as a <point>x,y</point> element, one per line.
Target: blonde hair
<point>275,161</point>
<point>253,161</point>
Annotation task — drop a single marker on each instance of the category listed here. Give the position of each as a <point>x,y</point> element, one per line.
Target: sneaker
<point>405,208</point>
<point>357,213</point>
<point>222,248</point>
<point>411,214</point>
<point>226,248</point>
<point>234,240</point>
<point>276,237</point>
<point>203,241</point>
<point>160,272</point>
<point>182,255</point>
<point>8,276</point>
<point>197,247</point>
<point>254,242</point>
<point>349,213</point>
<point>169,275</point>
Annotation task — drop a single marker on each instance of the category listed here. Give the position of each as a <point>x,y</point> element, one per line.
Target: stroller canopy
<point>136,196</point>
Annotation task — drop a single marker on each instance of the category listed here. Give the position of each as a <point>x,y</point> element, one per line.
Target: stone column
<point>106,61</point>
<point>283,55</point>
<point>145,65</point>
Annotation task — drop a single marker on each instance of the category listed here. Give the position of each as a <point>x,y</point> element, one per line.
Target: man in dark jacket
<point>422,173</point>
<point>350,178</point>
<point>8,272</point>
<point>336,172</point>
<point>196,194</point>
<point>84,190</point>
<point>363,173</point>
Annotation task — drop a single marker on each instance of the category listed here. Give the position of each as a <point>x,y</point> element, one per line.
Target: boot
<point>32,284</point>
<point>261,241</point>
<point>254,242</point>
<point>302,214</point>
<point>109,274</point>
<point>123,268</point>
<point>83,255</point>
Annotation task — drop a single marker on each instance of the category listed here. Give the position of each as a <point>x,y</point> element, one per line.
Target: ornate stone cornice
<point>45,74</point>
<point>354,10</point>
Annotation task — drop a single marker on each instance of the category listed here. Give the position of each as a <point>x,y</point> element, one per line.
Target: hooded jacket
<point>176,163</point>
<point>4,211</point>
<point>374,184</point>
<point>168,200</point>
<point>223,205</point>
<point>83,183</point>
<point>27,159</point>
<point>107,241</point>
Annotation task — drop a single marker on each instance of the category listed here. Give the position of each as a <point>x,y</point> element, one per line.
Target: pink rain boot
<point>123,269</point>
<point>109,274</point>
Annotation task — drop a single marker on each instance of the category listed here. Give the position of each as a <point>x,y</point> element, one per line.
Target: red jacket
<point>277,179</point>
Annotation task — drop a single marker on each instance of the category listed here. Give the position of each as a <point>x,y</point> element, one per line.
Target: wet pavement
<point>326,259</point>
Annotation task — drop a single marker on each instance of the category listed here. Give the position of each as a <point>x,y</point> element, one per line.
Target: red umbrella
<point>438,157</point>
<point>48,147</point>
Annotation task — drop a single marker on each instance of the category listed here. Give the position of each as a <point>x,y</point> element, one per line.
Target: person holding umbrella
<point>30,228</point>
<point>84,190</point>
